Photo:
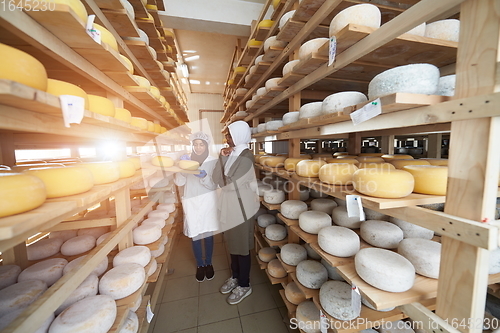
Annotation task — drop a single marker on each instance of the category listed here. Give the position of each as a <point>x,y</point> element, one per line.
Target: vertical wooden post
<point>434,145</point>
<point>75,153</point>
<point>354,145</point>
<point>387,144</point>
<point>8,155</point>
<point>123,212</point>
<point>471,194</point>
<point>16,256</point>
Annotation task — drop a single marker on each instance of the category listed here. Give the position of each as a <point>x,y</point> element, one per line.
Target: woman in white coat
<point>200,205</point>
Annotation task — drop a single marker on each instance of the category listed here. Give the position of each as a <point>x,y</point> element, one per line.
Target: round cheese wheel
<point>58,88</point>
<point>337,173</point>
<point>274,43</point>
<point>139,122</point>
<point>340,157</point>
<point>401,163</point>
<point>135,254</point>
<point>20,193</point>
<point>266,220</point>
<point>309,168</point>
<point>261,91</point>
<point>263,188</point>
<point>413,79</point>
<point>375,165</point>
<point>335,298</point>
<point>364,14</point>
<point>340,217</point>
<point>311,274</point>
<point>102,238</point>
<point>8,275</point>
<point>383,183</point>
<point>159,252</point>
<point>310,110</point>
<point>152,268</point>
<point>169,207</point>
<point>308,317</point>
<point>323,205</point>
<point>275,269</point>
<point>424,254</point>
<point>419,30</point>
<point>291,163</point>
<point>151,126</point>
<point>136,161</point>
<point>136,304</point>
<point>19,66</point>
<point>293,293</point>
<point>429,179</point>
<point>292,254</point>
<point>370,159</point>
<point>131,324</point>
<point>288,68</point>
<point>291,117</point>
<point>311,253</point>
<point>64,181</point>
<point>122,281</point>
<point>292,209</point>
<point>371,214</point>
<point>78,245</point>
<point>92,314</point>
<point>265,24</point>
<point>261,128</point>
<point>146,234</point>
<point>384,269</point>
<point>101,105</point>
<point>274,125</point>
<point>128,63</point>
<point>89,287</point>
<point>273,161</point>
<point>333,273</point>
<point>103,172</point>
<point>311,47</point>
<point>49,271</point>
<point>96,231</point>
<point>446,85</point>
<point>156,218</point>
<point>188,165</point>
<point>313,221</point>
<point>11,316</point>
<point>337,102</point>
<point>254,43</point>
<point>75,264</point>
<point>276,232</point>
<point>44,248</point>
<point>164,161</point>
<point>274,197</point>
<point>107,37</point>
<point>411,230</point>
<point>304,194</point>
<point>338,241</point>
<point>340,202</point>
<point>284,19</point>
<point>381,234</point>
<point>266,254</point>
<point>437,161</point>
<point>390,157</point>
<point>20,295</point>
<point>444,29</point>
<point>240,69</point>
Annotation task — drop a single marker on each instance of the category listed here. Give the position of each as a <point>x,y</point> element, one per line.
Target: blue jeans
<point>209,249</point>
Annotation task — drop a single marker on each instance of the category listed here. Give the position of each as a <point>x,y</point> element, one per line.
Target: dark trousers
<point>240,266</point>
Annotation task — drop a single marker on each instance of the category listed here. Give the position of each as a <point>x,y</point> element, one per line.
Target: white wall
<point>213,102</point>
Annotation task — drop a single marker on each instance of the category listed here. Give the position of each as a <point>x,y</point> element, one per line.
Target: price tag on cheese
<point>354,207</point>
<point>149,313</point>
<point>73,108</point>
<point>323,322</point>
<point>94,33</point>
<point>367,112</point>
<point>355,299</point>
<point>332,50</point>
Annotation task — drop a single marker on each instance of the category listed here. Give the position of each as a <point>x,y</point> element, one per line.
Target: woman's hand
<point>226,151</point>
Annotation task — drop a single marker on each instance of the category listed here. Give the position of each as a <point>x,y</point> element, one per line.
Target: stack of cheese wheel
<point>381,234</point>
<point>58,88</point>
<point>364,15</point>
<point>429,179</point>
<point>383,183</point>
<point>122,280</point>
<point>63,181</point>
<point>401,163</point>
<point>309,168</point>
<point>20,193</point>
<point>337,173</point>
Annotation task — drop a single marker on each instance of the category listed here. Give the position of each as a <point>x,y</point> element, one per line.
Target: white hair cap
<point>200,136</point>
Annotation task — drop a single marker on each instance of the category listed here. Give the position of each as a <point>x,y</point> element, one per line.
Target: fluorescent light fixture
<point>183,80</point>
<point>195,57</point>
<point>189,51</point>
<point>194,81</point>
<point>207,83</point>
<point>185,70</point>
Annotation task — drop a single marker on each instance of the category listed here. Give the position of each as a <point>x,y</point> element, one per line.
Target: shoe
<point>200,274</point>
<point>239,293</point>
<point>229,285</point>
<point>209,272</point>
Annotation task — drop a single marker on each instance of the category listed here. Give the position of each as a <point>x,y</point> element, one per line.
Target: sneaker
<point>239,293</point>
<point>209,272</point>
<point>229,285</point>
<point>200,274</point>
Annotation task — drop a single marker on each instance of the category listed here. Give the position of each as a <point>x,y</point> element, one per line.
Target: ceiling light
<point>195,57</point>
<point>184,70</point>
<point>189,51</point>
<point>194,82</point>
<point>207,83</point>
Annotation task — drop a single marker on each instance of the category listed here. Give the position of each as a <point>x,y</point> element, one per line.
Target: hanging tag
<point>149,313</point>
<point>354,207</point>
<point>367,112</point>
<point>332,51</point>
<point>323,322</point>
<point>355,299</point>
<point>94,33</point>
<point>73,108</point>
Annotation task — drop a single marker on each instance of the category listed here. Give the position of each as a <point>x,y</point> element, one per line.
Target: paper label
<point>354,207</point>
<point>149,313</point>
<point>323,322</point>
<point>73,108</point>
<point>355,299</point>
<point>332,51</point>
<point>94,33</point>
<point>367,112</point>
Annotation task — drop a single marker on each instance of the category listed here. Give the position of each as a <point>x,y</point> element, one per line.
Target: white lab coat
<point>199,201</point>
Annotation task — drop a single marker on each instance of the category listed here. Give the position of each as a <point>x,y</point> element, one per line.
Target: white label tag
<point>73,108</point>
<point>367,112</point>
<point>94,33</point>
<point>149,313</point>
<point>354,207</point>
<point>332,51</point>
<point>355,299</point>
<point>323,322</point>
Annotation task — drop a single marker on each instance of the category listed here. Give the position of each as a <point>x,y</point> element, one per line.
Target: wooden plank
<point>122,23</point>
<point>310,64</point>
<point>141,312</point>
<point>154,277</point>
<point>121,317</point>
<point>290,79</point>
<point>122,78</point>
<point>427,319</point>
<point>307,237</point>
<point>262,33</point>
<point>274,280</point>
<point>309,293</point>
<point>332,260</point>
<point>262,264</point>
<point>288,222</point>
<point>164,233</point>
<point>288,268</point>
<point>271,206</point>
<point>105,58</point>
<point>275,243</point>
<point>19,95</point>
<point>271,54</point>
<point>130,300</point>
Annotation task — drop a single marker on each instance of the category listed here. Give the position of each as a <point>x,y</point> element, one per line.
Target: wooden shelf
<point>309,293</point>
<point>292,28</point>
<point>164,233</point>
<point>288,268</point>
<point>262,33</point>
<point>262,264</point>
<point>276,280</point>
<point>271,206</point>
<point>122,23</point>
<point>288,222</point>
<point>121,317</point>
<point>271,55</point>
<point>154,277</point>
<point>306,237</point>
<point>290,307</point>
<point>141,312</point>
<point>275,243</point>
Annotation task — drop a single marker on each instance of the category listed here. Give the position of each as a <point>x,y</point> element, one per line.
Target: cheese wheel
<point>381,234</point>
<point>292,209</point>
<point>164,161</point>
<point>383,183</point>
<point>101,105</point>
<point>313,221</point>
<point>151,126</point>
<point>188,165</point>
<point>341,160</point>
<point>443,29</point>
<point>8,275</point>
<point>261,128</point>
<point>365,302</point>
<point>155,92</point>
<point>128,63</point>
<point>311,253</point>
<point>78,245</point>
<point>44,248</point>
<point>63,234</point>
<point>370,159</point>
<point>102,238</point>
<point>274,125</point>
<point>309,168</point>
<point>335,298</point>
<point>390,157</point>
<point>146,234</point>
<point>316,194</point>
<point>411,230</point>
<point>94,314</point>
<point>64,181</point>
<point>266,254</point>
<point>338,241</point>
<point>20,295</point>
<point>436,161</point>
<point>58,88</point>
<point>308,317</point>
<point>159,252</point>
<point>293,293</point>
<point>75,264</point>
<point>49,271</point>
<point>20,193</point>
<point>89,287</point>
<point>273,161</point>
<point>364,14</point>
<point>371,214</point>
<point>156,219</point>
<point>152,268</point>
<point>291,163</point>
<point>311,274</point>
<point>337,173</point>
<point>424,254</point>
<point>274,197</point>
<point>323,205</point>
<point>384,269</point>
<point>376,165</point>
<point>122,281</point>
<point>107,37</point>
<point>401,163</point>
<point>291,117</point>
<point>284,19</point>
<point>266,220</point>
<point>340,217</point>
<point>139,122</point>
<point>135,254</point>
<point>123,115</point>
<point>126,169</point>
<point>333,273</point>
<point>103,172</point>
<point>265,24</point>
<point>311,47</point>
<point>275,232</point>
<point>11,316</point>
<point>254,43</point>
<point>274,43</point>
<point>429,179</point>
<point>288,68</point>
<point>292,254</point>
<point>167,206</point>
<point>131,324</point>
<point>310,110</point>
<point>275,269</point>
<point>337,102</point>
<point>446,85</point>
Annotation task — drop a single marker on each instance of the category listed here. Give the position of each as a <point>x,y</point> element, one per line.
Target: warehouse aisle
<point>188,306</point>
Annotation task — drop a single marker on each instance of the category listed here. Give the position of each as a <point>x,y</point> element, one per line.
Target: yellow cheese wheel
<point>163,100</point>
<point>429,179</point>
<point>273,161</point>
<point>142,81</point>
<point>276,3</point>
<point>437,161</point>
<point>340,153</point>
<point>266,24</point>
<point>123,115</point>
<point>309,168</point>
<point>383,183</point>
<point>230,81</point>
<point>240,69</point>
<point>376,165</point>
<point>253,42</point>
<point>347,156</point>
<point>370,159</point>
<point>400,163</point>
<point>107,37</point>
<point>64,181</point>
<point>372,154</point>
<point>136,160</point>
<point>101,105</point>
<point>260,159</point>
<point>163,130</point>
<point>337,173</point>
<point>188,165</point>
<point>155,91</point>
<point>157,128</point>
<point>127,169</point>
<point>58,88</point>
<point>76,5</point>
<point>139,122</point>
<point>342,160</point>
<point>19,168</point>
<point>151,126</point>
<point>20,193</point>
<point>103,172</point>
<point>153,7</point>
<point>130,66</point>
<point>21,67</point>
<point>291,163</point>
<point>396,156</point>
<point>164,161</point>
